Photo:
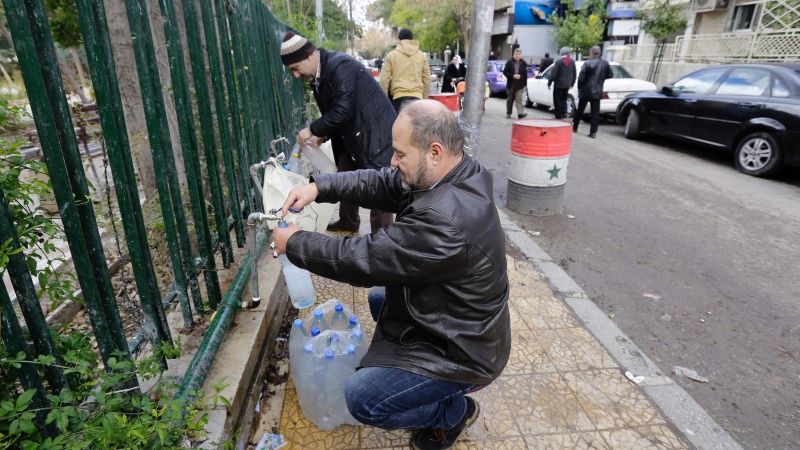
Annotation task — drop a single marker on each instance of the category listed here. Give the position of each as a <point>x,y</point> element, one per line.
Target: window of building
<point>743,16</point>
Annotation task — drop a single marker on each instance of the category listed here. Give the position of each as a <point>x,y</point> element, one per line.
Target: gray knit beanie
<point>295,48</point>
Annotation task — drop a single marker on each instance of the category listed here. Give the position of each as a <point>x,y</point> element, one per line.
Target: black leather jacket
<point>593,74</point>
<point>563,75</point>
<point>443,263</point>
<point>356,115</point>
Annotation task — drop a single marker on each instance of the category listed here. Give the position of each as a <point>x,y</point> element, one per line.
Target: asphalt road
<point>697,263</point>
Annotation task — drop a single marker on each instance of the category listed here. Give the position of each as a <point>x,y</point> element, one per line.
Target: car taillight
<point>605,96</point>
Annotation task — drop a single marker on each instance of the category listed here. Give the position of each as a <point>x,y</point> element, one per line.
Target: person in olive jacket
<point>593,75</point>
<point>443,329</point>
<point>516,72</point>
<point>562,77</point>
<point>356,116</point>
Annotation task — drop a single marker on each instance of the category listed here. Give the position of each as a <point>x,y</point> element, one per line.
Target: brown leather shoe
<point>339,226</point>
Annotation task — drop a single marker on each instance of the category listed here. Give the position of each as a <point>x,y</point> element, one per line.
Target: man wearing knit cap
<point>562,77</point>
<point>356,116</point>
<point>406,75</point>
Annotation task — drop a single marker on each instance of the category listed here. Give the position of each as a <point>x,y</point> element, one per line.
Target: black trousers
<point>399,102</point>
<point>595,111</point>
<point>560,101</point>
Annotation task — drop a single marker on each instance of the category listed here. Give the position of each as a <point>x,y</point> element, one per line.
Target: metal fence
<point>759,46</point>
<point>249,100</point>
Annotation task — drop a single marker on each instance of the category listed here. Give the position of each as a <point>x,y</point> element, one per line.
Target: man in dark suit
<point>594,73</point>
<point>546,62</point>
<point>516,72</point>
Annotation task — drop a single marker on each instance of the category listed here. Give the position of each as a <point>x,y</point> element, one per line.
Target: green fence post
<point>28,376</point>
<point>36,54</point>
<point>222,120</point>
<point>189,147</point>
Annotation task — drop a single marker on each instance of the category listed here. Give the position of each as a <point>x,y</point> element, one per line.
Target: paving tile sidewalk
<point>560,389</point>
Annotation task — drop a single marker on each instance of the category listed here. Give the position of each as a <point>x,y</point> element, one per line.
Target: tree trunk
<point>69,79</point>
<point>78,65</point>
<point>131,94</point>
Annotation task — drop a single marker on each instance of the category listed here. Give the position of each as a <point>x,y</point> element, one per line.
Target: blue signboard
<point>534,12</point>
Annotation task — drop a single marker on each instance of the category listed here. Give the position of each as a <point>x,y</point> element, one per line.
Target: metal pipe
<point>252,222</point>
<point>480,35</point>
<point>276,160</point>
<point>201,363</point>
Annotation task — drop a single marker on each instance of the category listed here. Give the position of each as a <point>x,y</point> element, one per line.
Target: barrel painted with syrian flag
<point>538,172</point>
<point>448,99</point>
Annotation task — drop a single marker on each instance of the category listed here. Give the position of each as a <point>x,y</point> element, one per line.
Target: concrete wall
<point>669,72</point>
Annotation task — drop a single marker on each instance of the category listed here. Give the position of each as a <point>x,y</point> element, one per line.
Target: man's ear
<point>437,152</point>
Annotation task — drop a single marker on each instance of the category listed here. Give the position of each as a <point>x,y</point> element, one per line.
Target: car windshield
<point>620,72</point>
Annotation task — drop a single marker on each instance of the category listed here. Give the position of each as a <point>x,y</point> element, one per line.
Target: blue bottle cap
<point>339,307</point>
<point>353,320</point>
<point>351,349</point>
<point>357,334</point>
<point>309,347</point>
<point>318,314</point>
<point>287,167</point>
<point>314,331</point>
<point>298,323</point>
<point>334,338</point>
<point>328,354</point>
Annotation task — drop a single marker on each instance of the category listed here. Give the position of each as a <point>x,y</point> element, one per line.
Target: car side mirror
<point>538,77</point>
<point>667,90</point>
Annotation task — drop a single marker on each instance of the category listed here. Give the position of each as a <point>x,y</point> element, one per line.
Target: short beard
<point>420,179</point>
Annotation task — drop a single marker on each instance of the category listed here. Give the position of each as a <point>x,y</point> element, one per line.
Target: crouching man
<point>443,326</point>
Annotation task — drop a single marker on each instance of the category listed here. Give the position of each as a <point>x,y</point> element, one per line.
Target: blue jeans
<point>393,399</point>
<point>375,299</point>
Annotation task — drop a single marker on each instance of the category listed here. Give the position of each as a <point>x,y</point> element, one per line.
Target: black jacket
<point>452,73</point>
<point>508,71</point>
<point>443,264</point>
<point>594,73</point>
<point>356,115</point>
<point>544,64</point>
<point>563,75</point>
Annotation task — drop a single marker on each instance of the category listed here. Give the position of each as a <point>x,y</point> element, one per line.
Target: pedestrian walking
<point>443,328</point>
<point>406,74</point>
<point>491,55</point>
<point>356,116</point>
<point>454,71</point>
<point>594,73</point>
<point>546,62</point>
<point>516,73</point>
<point>562,79</point>
<point>379,63</point>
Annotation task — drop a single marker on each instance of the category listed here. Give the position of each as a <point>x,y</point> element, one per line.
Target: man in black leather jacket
<point>594,73</point>
<point>356,116</point>
<point>443,329</point>
<point>562,78</point>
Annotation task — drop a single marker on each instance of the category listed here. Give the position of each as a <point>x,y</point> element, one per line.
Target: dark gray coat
<point>563,75</point>
<point>443,263</point>
<point>356,115</point>
<point>594,73</point>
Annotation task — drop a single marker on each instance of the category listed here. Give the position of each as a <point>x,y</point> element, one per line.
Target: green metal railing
<point>239,94</point>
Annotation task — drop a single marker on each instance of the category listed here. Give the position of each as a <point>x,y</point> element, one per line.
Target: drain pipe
<point>253,220</point>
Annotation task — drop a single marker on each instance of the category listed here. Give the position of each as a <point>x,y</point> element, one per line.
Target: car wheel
<point>633,125</point>
<point>570,112</point>
<point>758,154</point>
<point>525,100</point>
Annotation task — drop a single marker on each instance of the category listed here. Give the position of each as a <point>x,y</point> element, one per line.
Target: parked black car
<point>437,67</point>
<point>750,109</point>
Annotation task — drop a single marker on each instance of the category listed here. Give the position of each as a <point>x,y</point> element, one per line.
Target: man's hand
<point>304,135</point>
<point>548,87</point>
<point>299,197</point>
<point>280,236</point>
<point>516,76</point>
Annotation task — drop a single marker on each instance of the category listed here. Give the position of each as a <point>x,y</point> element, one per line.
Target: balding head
<point>432,122</point>
<point>594,51</point>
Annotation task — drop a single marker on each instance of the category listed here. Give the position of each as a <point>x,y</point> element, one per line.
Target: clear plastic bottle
<point>339,320</point>
<point>297,337</point>
<point>295,165</point>
<point>318,158</point>
<point>319,320</point>
<point>301,288</point>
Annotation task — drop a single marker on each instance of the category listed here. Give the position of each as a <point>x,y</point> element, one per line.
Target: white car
<point>614,90</point>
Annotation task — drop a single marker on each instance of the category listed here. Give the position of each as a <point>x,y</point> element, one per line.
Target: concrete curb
<point>677,405</point>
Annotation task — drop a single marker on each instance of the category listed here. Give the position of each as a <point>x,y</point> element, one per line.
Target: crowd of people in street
<point>435,256</point>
